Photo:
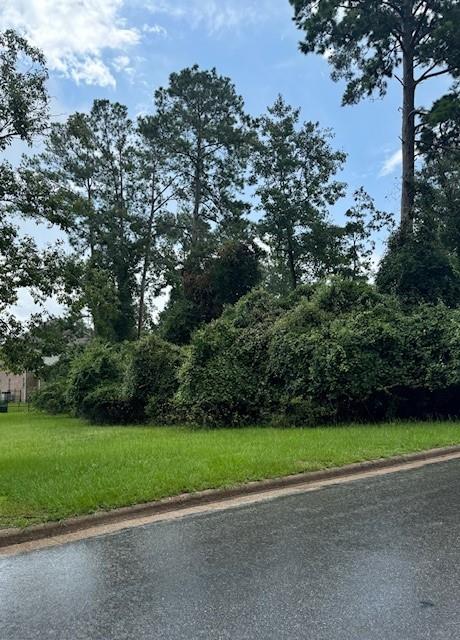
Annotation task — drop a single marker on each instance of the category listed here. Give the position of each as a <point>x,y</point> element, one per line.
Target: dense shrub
<point>94,375</point>
<point>151,377</point>
<point>339,351</point>
<point>224,379</point>
<point>122,384</point>
<point>52,397</point>
<point>344,352</point>
<point>419,270</point>
<point>341,296</point>
<point>106,405</point>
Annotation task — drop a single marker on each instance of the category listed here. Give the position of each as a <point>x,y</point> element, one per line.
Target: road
<point>373,559</point>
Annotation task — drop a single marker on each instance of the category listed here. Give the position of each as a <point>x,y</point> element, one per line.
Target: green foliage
<point>234,272</point>
<point>100,366</point>
<point>104,405</point>
<point>420,269</point>
<point>23,115</point>
<point>161,203</point>
<point>363,222</point>
<point>293,171</point>
<point>344,353</point>
<point>227,276</point>
<point>110,384</point>
<point>223,381</point>
<point>206,137</point>
<point>151,377</point>
<point>368,43</point>
<point>180,319</point>
<point>103,181</point>
<point>24,99</point>
<point>342,295</point>
<point>44,337</point>
<point>365,40</point>
<point>52,397</point>
<point>440,127</point>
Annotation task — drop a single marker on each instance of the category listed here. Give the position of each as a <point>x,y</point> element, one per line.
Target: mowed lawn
<point>56,467</point>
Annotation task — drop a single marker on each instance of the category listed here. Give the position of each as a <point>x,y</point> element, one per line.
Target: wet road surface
<point>375,559</point>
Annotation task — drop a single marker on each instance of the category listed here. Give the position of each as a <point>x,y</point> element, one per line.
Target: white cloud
<point>73,34</point>
<point>155,29</point>
<point>121,63</point>
<point>218,15</point>
<point>392,163</point>
<point>91,70</point>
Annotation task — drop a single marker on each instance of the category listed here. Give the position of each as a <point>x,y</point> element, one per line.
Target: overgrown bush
<point>420,270</point>
<point>52,397</point>
<point>95,378</point>
<point>337,352</point>
<point>106,405</point>
<point>343,353</point>
<point>152,377</point>
<point>224,378</point>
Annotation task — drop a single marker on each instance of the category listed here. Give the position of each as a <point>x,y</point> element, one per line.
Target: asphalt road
<point>375,559</point>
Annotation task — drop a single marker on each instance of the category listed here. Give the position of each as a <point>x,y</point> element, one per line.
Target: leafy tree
<point>23,115</point>
<point>43,337</point>
<point>440,128</point>
<point>427,267</point>
<point>367,42</point>
<point>293,171</point>
<point>103,181</point>
<point>420,269</point>
<point>82,182</point>
<point>226,277</point>
<point>363,222</point>
<point>113,132</point>
<point>156,189</point>
<point>24,99</point>
<point>433,272</point>
<point>439,199</point>
<point>206,139</point>
<point>60,185</point>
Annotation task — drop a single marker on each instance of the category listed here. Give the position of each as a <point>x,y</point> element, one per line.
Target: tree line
<point>202,200</point>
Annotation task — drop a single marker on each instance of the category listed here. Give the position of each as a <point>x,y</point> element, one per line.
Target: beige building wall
<point>20,387</point>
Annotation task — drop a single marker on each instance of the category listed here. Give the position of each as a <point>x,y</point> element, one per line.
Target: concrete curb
<point>10,537</point>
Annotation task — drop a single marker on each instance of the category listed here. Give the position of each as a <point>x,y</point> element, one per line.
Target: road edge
<point>15,536</point>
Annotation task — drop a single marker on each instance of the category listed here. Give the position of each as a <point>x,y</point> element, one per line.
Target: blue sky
<point>124,49</point>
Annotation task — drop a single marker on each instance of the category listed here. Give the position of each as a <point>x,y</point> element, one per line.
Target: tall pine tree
<point>367,43</point>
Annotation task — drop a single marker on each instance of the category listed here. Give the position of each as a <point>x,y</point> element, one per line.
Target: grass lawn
<point>55,467</point>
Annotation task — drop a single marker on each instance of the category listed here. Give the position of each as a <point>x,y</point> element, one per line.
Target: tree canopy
<point>368,43</point>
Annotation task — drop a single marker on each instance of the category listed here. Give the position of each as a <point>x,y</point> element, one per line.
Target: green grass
<point>56,467</point>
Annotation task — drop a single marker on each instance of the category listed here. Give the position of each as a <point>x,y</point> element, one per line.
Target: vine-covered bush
<point>95,379</point>
<point>52,397</point>
<point>224,379</point>
<point>340,351</point>
<point>152,377</point>
<point>109,384</point>
<point>106,405</point>
<point>343,353</point>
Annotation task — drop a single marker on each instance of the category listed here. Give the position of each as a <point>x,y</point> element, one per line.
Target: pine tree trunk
<point>408,136</point>
<point>147,256</point>
<point>291,261</point>
<point>195,249</point>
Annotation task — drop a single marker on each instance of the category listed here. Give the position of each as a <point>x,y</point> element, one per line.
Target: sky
<point>124,49</point>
